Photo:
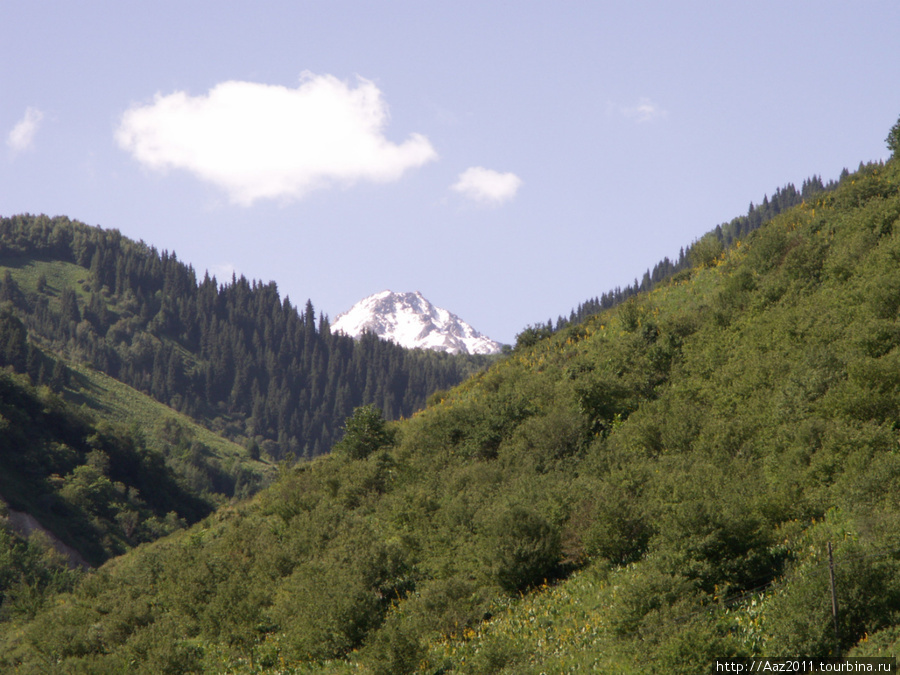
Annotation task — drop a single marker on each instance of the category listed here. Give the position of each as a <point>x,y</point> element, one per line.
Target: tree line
<point>722,236</point>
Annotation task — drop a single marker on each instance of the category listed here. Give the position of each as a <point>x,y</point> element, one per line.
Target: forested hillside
<point>208,466</point>
<point>248,363</point>
<point>643,492</point>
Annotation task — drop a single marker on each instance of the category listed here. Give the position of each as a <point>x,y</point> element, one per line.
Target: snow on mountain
<point>411,321</point>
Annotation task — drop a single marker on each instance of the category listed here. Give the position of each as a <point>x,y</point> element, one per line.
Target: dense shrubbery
<point>30,572</point>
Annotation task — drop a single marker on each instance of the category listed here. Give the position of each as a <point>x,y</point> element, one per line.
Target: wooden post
<point>834,605</point>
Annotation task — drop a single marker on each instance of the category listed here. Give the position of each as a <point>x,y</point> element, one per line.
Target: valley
<point>645,490</point>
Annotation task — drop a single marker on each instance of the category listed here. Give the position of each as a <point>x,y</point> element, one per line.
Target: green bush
<point>364,432</point>
<point>395,649</point>
<point>324,612</point>
<point>705,251</point>
<point>868,597</point>
<point>525,549</point>
<point>617,529</point>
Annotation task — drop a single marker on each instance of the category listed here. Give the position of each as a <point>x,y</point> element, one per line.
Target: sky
<point>508,160</point>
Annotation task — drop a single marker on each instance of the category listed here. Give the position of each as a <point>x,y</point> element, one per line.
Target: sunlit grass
<point>112,400</point>
<point>58,275</point>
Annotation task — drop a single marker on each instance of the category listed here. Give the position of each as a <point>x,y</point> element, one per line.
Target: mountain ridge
<point>412,321</point>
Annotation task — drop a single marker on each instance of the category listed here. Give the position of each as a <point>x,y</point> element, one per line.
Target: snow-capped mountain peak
<point>411,321</point>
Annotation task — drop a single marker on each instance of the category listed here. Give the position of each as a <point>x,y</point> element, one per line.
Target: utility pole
<point>834,605</point>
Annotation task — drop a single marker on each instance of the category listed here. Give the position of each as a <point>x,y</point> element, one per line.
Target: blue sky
<point>508,160</point>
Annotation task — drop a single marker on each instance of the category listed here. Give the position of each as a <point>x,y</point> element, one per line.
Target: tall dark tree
<point>893,139</point>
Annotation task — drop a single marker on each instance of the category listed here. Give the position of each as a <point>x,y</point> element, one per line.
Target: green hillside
<point>643,492</point>
<point>95,486</point>
<point>235,356</point>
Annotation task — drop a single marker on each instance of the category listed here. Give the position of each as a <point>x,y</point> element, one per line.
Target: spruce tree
<point>893,139</point>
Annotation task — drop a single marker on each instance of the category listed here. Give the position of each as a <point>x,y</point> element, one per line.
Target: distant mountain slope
<point>238,357</point>
<point>409,320</point>
<point>656,487</point>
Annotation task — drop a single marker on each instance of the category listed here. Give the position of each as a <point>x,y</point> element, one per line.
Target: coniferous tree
<point>893,139</point>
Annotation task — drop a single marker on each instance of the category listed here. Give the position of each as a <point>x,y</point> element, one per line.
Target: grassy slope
<point>673,469</point>
<point>59,275</point>
<point>110,399</point>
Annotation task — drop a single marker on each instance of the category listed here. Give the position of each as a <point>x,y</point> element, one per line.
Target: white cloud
<point>645,111</point>
<point>22,135</point>
<point>487,186</point>
<point>223,272</point>
<point>260,141</point>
